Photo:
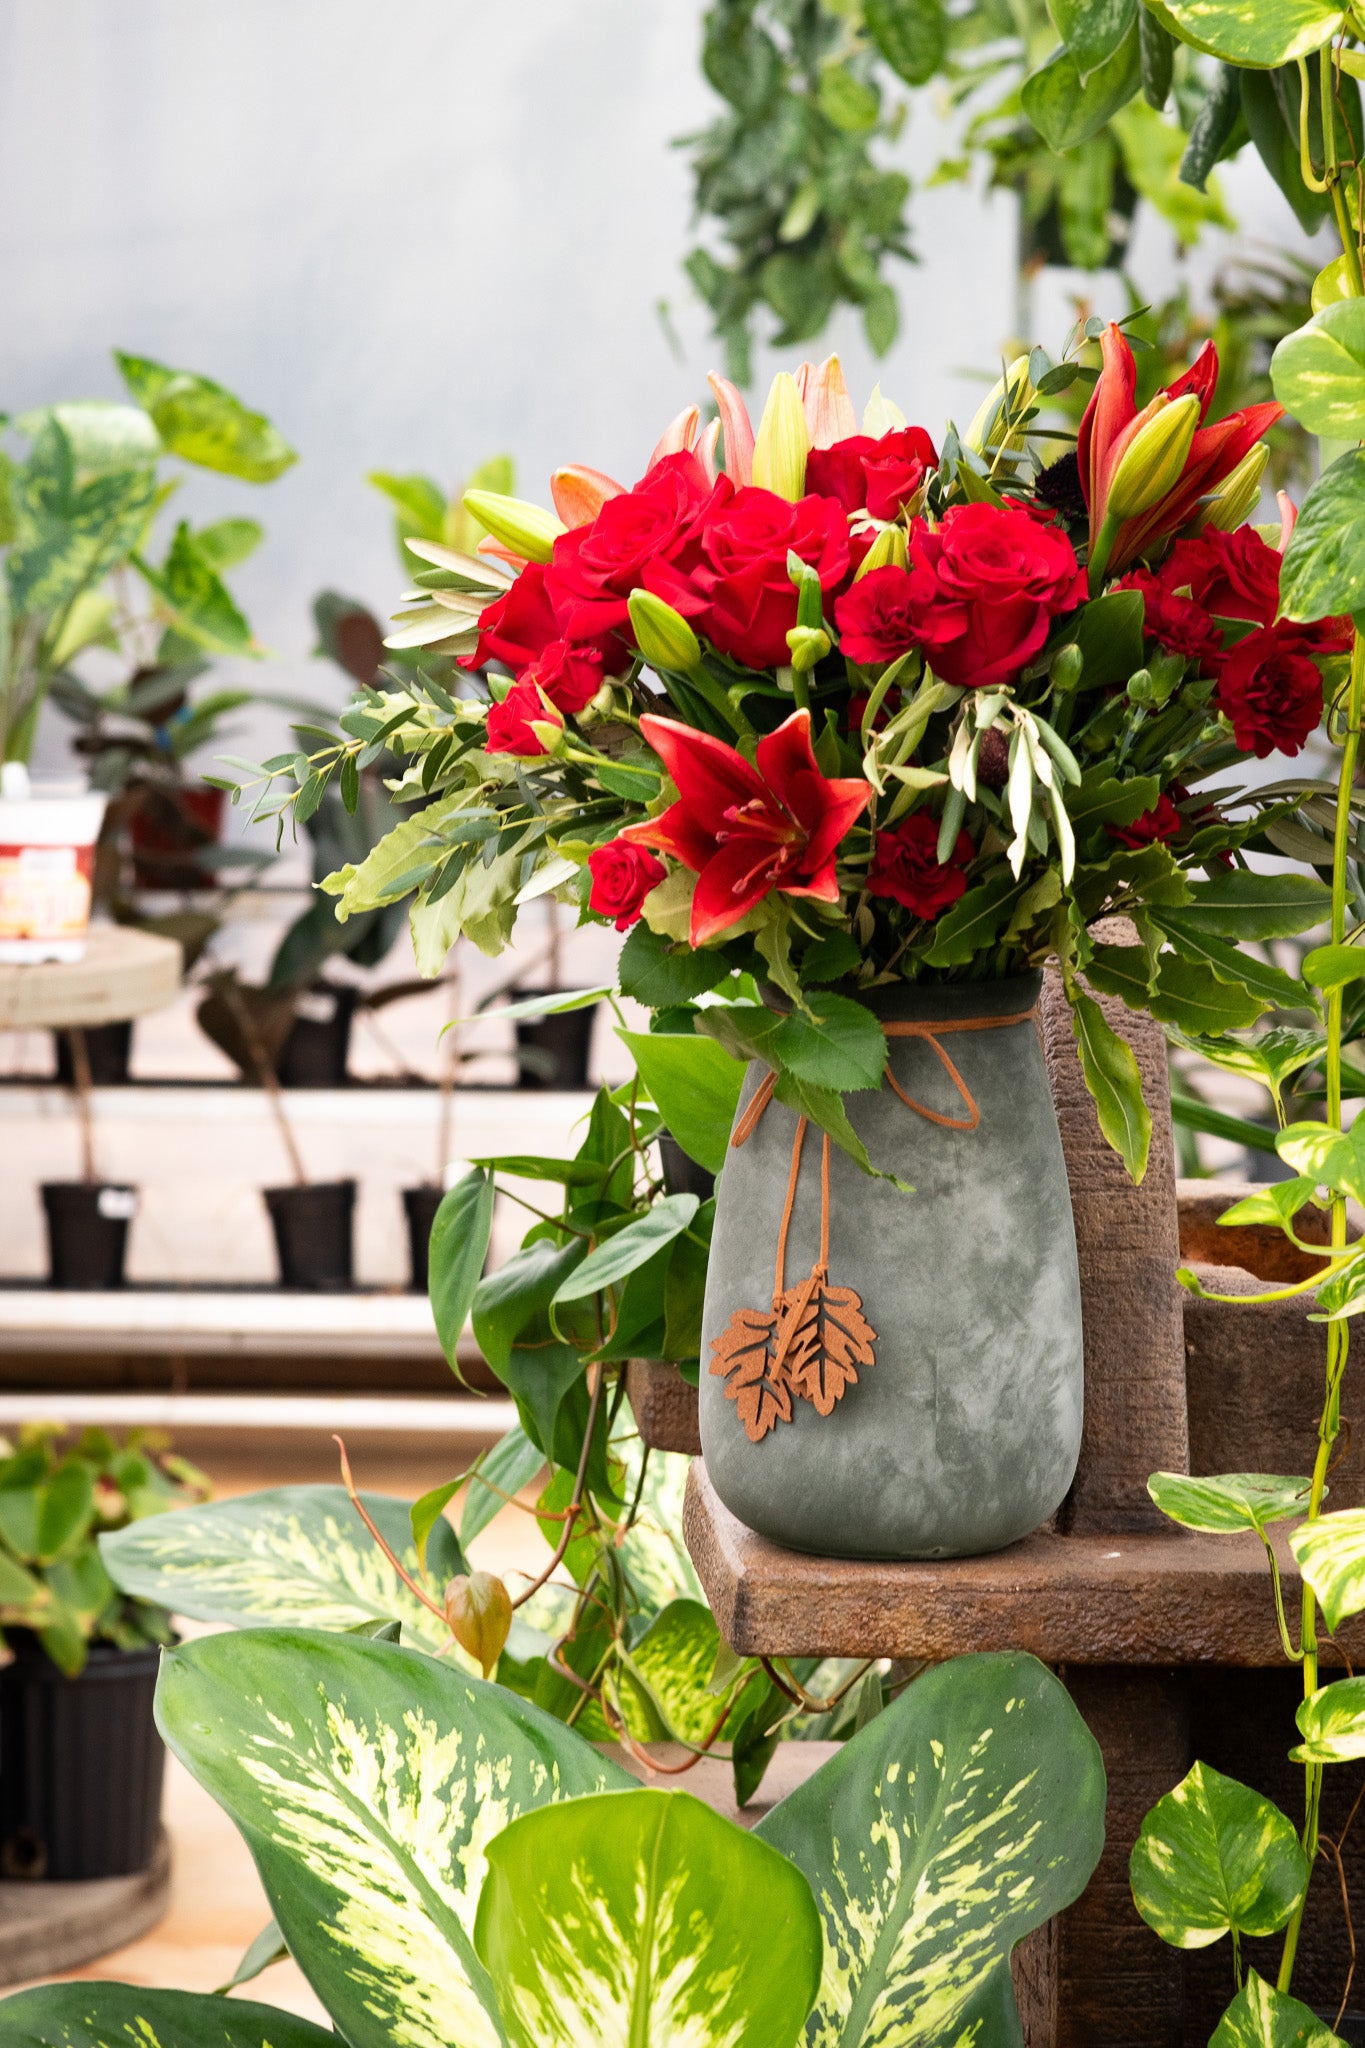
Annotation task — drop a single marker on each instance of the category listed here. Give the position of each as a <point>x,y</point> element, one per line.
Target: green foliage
<point>103,2015</point>
<point>694,1084</point>
<point>1111,1075</point>
<point>1262,2017</point>
<point>1324,564</point>
<point>1231,1501</point>
<point>1213,1858</point>
<point>203,423</point>
<point>1330,1553</point>
<point>1332,1724</point>
<point>456,1253</point>
<point>1319,371</point>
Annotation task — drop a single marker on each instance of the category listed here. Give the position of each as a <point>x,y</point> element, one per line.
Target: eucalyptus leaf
<point>1212,1858</point>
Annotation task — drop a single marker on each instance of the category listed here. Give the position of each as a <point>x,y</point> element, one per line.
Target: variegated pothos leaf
<point>964,1816</point>
<point>368,1781</point>
<point>1330,1552</point>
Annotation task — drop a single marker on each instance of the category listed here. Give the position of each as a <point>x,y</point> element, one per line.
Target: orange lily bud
<point>739,434</point>
<point>677,437</point>
<point>706,451</point>
<point>829,409</point>
<point>579,493</point>
<point>528,529</point>
<point>782,442</point>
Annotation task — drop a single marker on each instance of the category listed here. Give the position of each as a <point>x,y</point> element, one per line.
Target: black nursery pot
<point>682,1174</point>
<point>559,1046</point>
<point>108,1048</point>
<point>313,1234</point>
<point>316,1049</point>
<point>80,1764</point>
<point>420,1206</point>
<point>1351,2028</point>
<point>87,1231</point>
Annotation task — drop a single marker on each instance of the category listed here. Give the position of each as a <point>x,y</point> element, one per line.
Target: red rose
<point>1270,691</point>
<point>1153,828</point>
<point>518,627</point>
<point>509,723</point>
<point>622,877</point>
<point>891,610</point>
<point>595,567</point>
<point>570,676</point>
<point>1176,623</point>
<point>877,476</point>
<point>736,587</point>
<point>1011,574</point>
<point>905,866</point>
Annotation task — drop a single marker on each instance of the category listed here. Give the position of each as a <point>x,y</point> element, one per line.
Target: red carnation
<point>509,723</point>
<point>622,877</point>
<point>877,476</point>
<point>1153,828</point>
<point>570,676</point>
<point>905,866</point>
<point>1176,623</point>
<point>1237,576</point>
<point>1270,691</point>
<point>1011,575</point>
<point>891,610</point>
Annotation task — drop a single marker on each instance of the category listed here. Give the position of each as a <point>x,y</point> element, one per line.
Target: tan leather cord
<point>930,1035</point>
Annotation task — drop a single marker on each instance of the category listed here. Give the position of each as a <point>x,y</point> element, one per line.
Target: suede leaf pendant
<point>825,1337</point>
<point>757,1381</point>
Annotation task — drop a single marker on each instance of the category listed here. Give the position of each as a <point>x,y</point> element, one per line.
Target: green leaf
<point>66,1510</point>
<point>912,35</point>
<point>600,1923</point>
<point>1249,33</point>
<point>1213,1857</point>
<point>1109,635</point>
<point>1262,2017</point>
<point>1334,966</point>
<point>1271,984</point>
<point>1330,1553</point>
<point>1123,971</point>
<point>1242,905</point>
<point>973,922</point>
<point>268,1947</point>
<point>1230,1501</point>
<point>202,423</point>
<point>674,1661</point>
<point>191,588</point>
<point>66,540</point>
<point>966,1814</point>
<point>694,1084</point>
<point>1104,800</point>
<point>368,1781</point>
<point>1067,109</point>
<point>1213,124</point>
<point>1324,565</point>
<point>513,1463</point>
<point>1191,995</point>
<point>1278,147</point>
<point>460,1231</point>
<point>1332,1724</point>
<point>104,438</point>
<point>294,1554</point>
<point>1157,51</point>
<point>629,1248</point>
<point>661,974</point>
<point>835,1043</point>
<point>1111,1075</point>
<point>103,2015</point>
<point>557,1003</point>
<point>226,542</point>
<point>824,1107</point>
<point>1319,372</point>
<point>1092,29</point>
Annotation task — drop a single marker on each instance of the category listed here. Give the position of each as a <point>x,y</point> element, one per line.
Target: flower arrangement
<point>837,706</point>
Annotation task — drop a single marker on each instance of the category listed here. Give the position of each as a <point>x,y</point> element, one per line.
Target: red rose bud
<point>479,1612</point>
<point>905,867</point>
<point>622,876</point>
<point>528,530</point>
<point>663,636</point>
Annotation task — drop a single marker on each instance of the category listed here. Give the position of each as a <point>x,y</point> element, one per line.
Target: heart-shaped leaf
<point>1252,34</point>
<point>1324,564</point>
<point>645,1918</point>
<point>1262,2017</point>
<point>1332,1724</point>
<point>368,1781</point>
<point>97,2015</point>
<point>460,1231</point>
<point>1212,1857</point>
<point>1229,1500</point>
<point>1330,1553</point>
<point>694,1084</point>
<point>1319,372</point>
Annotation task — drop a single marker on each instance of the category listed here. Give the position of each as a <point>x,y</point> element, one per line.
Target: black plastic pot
<point>682,1174</point>
<point>108,1048</point>
<point>1351,2029</point>
<point>316,1049</point>
<point>553,1052</point>
<point>87,1231</point>
<point>420,1206</point>
<point>313,1234</point>
<point>80,1764</point>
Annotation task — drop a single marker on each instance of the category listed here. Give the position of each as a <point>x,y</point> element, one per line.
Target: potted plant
<point>80,1758</point>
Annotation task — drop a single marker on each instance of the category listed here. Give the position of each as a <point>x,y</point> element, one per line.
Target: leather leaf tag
<point>824,1338</point>
<point>745,1355</point>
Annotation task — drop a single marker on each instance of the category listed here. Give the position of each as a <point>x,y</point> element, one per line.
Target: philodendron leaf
<point>102,2015</point>
<point>1229,1501</point>
<point>460,1232</point>
<point>1330,1553</point>
<point>1319,372</point>
<point>1252,34</point>
<point>1111,1075</point>
<point>368,1781</point>
<point>1262,2017</point>
<point>644,1917</point>
<point>1332,1724</point>
<point>1213,1857</point>
<point>1324,563</point>
<point>294,1555</point>
<point>962,1817</point>
<point>694,1084</point>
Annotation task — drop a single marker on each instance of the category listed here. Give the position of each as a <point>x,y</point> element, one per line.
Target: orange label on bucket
<point>45,891</point>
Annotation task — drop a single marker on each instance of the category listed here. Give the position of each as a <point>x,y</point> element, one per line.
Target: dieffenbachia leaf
<point>101,2015</point>
<point>1230,1500</point>
<point>662,1688</point>
<point>295,1555</point>
<point>1213,1857</point>
<point>962,1817</point>
<point>1262,2017</point>
<point>645,1918</point>
<point>1330,1553</point>
<point>368,1781</point>
<point>1332,1724</point>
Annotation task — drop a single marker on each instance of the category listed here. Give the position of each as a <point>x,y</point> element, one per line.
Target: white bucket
<point>47,865</point>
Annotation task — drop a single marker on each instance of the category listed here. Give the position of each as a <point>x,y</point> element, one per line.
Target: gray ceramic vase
<point>963,1435</point>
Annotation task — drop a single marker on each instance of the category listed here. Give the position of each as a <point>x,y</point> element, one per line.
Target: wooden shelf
<point>1162,1598</point>
<point>123,973</point>
<point>190,1322</point>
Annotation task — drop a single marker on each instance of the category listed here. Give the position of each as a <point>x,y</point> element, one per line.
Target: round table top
<point>124,973</point>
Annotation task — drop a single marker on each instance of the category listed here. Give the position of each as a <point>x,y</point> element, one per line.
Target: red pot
<point>168,828</point>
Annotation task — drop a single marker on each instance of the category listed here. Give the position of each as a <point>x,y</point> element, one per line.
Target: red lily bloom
<point>744,830</point>
<point>1111,422</point>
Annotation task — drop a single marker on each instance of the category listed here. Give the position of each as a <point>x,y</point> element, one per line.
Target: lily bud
<point>829,409</point>
<point>662,635</point>
<point>783,441</point>
<point>1238,494</point>
<point>580,493</point>
<point>1005,395</point>
<point>888,551</point>
<point>808,644</point>
<point>678,437</point>
<point>739,433</point>
<point>1154,461</point>
<point>528,530</point>
<point>551,734</point>
<point>479,1611</point>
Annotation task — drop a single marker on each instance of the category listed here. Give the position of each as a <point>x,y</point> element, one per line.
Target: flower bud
<point>550,732</point>
<point>528,530</point>
<point>662,635</point>
<point>1006,394</point>
<point>1140,687</point>
<point>1068,664</point>
<point>887,551</point>
<point>808,645</point>
<point>580,493</point>
<point>782,442</point>
<point>1240,493</point>
<point>479,1611</point>
<point>1154,461</point>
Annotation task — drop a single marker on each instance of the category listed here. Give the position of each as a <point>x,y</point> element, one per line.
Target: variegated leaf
<point>368,1781</point>
<point>1332,1724</point>
<point>1330,1552</point>
<point>662,1689</point>
<point>1229,1501</point>
<point>296,1555</point>
<point>1262,2017</point>
<point>644,1918</point>
<point>1213,1856</point>
<point>961,1818</point>
<point>99,2015</point>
